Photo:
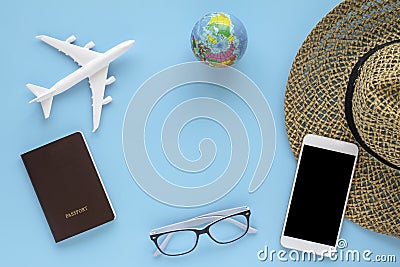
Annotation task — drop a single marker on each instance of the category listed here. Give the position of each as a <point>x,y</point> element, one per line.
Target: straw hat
<point>345,83</point>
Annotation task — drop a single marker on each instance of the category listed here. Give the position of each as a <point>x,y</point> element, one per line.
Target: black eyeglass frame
<point>204,230</point>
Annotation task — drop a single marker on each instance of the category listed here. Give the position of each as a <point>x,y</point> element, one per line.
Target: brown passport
<point>68,186</point>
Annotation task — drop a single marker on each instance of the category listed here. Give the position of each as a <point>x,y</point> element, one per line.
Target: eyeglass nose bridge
<point>203,231</point>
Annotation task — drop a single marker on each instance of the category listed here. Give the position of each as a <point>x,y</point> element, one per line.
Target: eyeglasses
<point>223,227</point>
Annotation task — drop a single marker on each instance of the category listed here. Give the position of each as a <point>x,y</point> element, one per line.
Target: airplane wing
<point>97,85</point>
<point>79,54</point>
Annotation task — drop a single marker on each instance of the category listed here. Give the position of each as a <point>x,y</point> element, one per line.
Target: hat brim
<point>315,97</point>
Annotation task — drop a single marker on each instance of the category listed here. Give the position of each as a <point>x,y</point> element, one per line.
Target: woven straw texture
<point>376,103</point>
<point>315,97</point>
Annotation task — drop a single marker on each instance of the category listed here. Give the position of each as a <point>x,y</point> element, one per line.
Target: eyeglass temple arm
<point>225,212</point>
<point>202,220</point>
<point>196,222</point>
<point>210,216</point>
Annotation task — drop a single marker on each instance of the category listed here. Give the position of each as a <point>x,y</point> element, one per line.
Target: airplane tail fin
<point>39,91</point>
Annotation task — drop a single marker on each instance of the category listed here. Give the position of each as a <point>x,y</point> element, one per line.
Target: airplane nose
<point>129,43</point>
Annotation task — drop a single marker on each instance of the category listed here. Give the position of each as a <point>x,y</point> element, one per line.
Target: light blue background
<point>162,29</point>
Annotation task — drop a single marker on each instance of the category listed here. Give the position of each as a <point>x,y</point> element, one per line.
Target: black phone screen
<point>319,195</point>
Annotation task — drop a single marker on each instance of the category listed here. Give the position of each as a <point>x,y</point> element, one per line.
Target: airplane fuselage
<point>98,63</point>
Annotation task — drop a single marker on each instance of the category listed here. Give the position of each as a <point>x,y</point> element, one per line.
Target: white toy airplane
<point>94,66</point>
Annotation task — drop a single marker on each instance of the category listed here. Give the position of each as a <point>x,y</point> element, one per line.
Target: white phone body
<point>292,240</point>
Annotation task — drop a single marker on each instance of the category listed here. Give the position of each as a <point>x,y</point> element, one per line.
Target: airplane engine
<point>107,100</point>
<point>89,45</point>
<point>71,39</point>
<point>110,80</point>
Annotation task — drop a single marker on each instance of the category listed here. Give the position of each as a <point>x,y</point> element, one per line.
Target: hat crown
<point>376,103</point>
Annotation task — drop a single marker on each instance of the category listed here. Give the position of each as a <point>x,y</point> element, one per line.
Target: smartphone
<point>319,195</point>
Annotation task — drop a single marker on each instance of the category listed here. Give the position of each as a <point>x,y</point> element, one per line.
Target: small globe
<point>219,39</point>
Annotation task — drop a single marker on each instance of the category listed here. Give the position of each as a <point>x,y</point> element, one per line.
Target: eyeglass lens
<point>224,231</point>
<point>228,229</point>
<point>180,242</point>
